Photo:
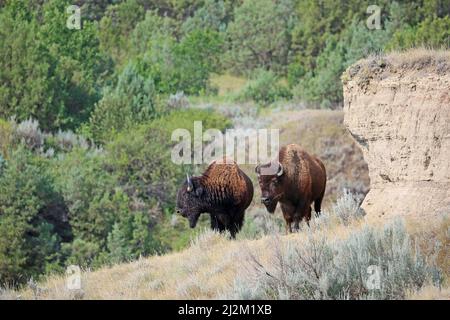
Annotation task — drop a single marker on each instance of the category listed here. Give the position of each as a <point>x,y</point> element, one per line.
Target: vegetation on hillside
<point>329,260</point>
<point>86,115</point>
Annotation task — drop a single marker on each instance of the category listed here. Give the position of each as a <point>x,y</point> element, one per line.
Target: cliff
<point>397,107</point>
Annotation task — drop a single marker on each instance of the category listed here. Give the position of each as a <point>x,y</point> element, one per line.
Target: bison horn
<point>190,186</point>
<point>280,169</point>
<point>257,171</point>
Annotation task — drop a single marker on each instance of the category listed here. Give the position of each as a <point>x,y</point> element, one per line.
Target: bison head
<point>269,178</point>
<point>189,200</point>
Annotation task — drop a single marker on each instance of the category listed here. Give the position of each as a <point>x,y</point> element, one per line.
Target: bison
<point>295,181</point>
<point>223,190</point>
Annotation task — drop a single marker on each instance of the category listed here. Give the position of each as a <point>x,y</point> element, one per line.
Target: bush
<point>108,224</point>
<point>178,101</point>
<point>28,132</point>
<point>47,71</point>
<point>130,102</point>
<point>347,208</point>
<point>430,33</point>
<point>32,219</point>
<point>260,35</point>
<point>6,137</point>
<point>176,63</point>
<point>264,88</point>
<point>67,140</point>
<point>319,269</point>
<point>212,15</point>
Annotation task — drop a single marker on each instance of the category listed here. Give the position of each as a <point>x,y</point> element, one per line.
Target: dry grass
<point>206,270</point>
<point>228,84</point>
<point>416,60</point>
<point>430,293</point>
<point>419,58</point>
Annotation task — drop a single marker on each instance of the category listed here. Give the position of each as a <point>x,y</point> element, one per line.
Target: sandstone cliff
<point>397,107</point>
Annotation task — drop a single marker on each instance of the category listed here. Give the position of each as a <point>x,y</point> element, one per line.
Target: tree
<point>30,213</point>
<point>259,36</point>
<point>431,33</point>
<point>132,101</point>
<point>47,71</point>
<point>116,27</point>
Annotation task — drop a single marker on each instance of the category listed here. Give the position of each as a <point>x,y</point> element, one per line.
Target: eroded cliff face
<point>397,108</point>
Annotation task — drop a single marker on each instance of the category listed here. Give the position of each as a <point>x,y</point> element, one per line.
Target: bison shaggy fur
<point>223,190</point>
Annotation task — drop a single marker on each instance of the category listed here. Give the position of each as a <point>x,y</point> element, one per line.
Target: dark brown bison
<point>224,191</point>
<point>295,181</point>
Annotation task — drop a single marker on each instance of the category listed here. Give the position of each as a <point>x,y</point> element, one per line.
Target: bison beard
<point>224,191</point>
<point>297,181</point>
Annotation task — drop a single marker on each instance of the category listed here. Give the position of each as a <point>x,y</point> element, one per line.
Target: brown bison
<point>295,181</point>
<point>223,190</point>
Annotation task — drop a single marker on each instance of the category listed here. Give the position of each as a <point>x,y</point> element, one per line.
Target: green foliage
<point>30,235</point>
<point>47,70</point>
<point>132,101</point>
<point>264,88</point>
<point>212,15</point>
<point>116,26</point>
<point>89,194</point>
<point>6,136</point>
<point>259,35</point>
<point>430,33</point>
<point>196,57</point>
<point>322,86</point>
<point>183,65</point>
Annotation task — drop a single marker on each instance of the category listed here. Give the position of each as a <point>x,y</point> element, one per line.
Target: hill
<point>265,263</point>
<point>298,265</point>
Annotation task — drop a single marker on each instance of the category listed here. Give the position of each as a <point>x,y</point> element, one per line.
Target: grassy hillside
<point>216,267</point>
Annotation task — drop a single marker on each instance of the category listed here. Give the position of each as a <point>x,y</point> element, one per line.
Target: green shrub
<point>116,26</point>
<point>132,101</point>
<point>89,194</point>
<point>260,35</point>
<point>48,71</point>
<point>108,222</point>
<point>32,222</point>
<point>176,63</point>
<point>322,85</point>
<point>6,137</point>
<point>430,33</point>
<point>264,88</point>
<point>213,15</point>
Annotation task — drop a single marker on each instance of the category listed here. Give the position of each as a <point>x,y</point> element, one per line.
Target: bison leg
<point>308,214</point>
<point>288,214</point>
<point>216,224</point>
<point>237,224</point>
<point>303,211</point>
<point>317,205</point>
<point>297,223</point>
<point>288,226</point>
